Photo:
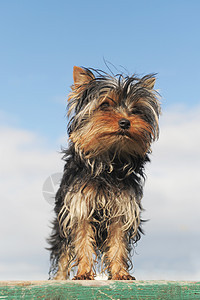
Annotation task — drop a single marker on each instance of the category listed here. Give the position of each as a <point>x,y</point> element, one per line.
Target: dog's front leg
<point>84,244</point>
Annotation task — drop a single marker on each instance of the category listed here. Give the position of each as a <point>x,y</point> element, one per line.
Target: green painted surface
<point>58,290</point>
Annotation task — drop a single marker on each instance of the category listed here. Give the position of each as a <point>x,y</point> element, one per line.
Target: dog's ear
<point>149,83</point>
<point>82,76</point>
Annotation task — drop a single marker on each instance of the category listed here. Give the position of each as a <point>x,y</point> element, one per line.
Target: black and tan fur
<point>113,121</point>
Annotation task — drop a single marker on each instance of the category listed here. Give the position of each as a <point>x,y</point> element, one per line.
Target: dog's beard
<point>120,144</point>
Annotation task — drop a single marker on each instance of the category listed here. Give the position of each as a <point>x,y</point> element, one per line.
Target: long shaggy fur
<point>98,204</point>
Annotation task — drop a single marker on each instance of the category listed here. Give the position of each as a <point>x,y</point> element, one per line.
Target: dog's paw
<point>86,276</point>
<point>122,277</point>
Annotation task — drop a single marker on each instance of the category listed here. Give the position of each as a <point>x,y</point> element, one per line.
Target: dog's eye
<point>104,105</point>
<point>136,111</point>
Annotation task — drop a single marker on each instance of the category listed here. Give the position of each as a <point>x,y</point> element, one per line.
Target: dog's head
<point>112,114</point>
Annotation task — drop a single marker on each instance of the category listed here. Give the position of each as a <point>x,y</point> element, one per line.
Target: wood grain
<point>99,289</point>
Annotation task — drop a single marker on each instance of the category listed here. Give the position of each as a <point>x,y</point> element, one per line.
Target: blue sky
<point>41,41</point>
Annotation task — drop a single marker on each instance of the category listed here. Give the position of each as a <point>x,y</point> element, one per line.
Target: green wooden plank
<point>99,289</point>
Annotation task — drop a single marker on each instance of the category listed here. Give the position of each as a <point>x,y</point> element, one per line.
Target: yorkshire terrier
<point>112,122</point>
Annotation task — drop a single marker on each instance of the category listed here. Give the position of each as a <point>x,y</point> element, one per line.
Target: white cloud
<point>26,161</point>
<point>172,241</point>
<point>173,182</point>
<point>170,249</point>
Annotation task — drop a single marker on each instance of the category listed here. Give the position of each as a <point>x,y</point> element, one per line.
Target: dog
<point>113,121</point>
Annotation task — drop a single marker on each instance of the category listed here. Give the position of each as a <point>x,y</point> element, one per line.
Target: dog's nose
<point>124,124</point>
